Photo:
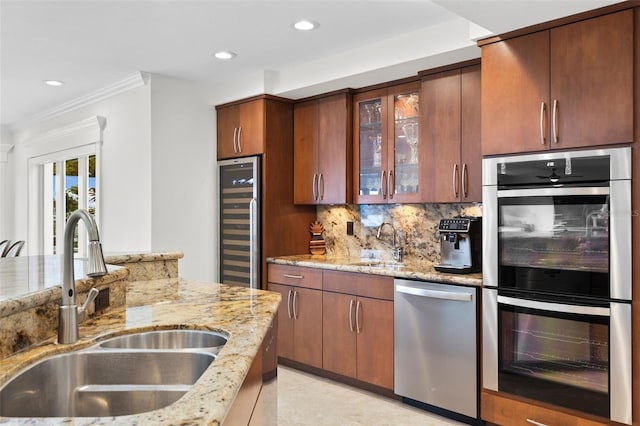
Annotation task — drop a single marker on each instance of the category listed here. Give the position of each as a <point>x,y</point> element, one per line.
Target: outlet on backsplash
<point>416,224</point>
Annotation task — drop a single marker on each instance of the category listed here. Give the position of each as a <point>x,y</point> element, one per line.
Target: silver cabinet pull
<point>533,422</point>
<point>321,186</point>
<point>240,139</point>
<point>235,135</point>
<point>289,304</point>
<point>556,138</point>
<point>391,184</point>
<point>295,304</point>
<point>383,184</point>
<point>358,325</point>
<point>543,107</point>
<point>351,315</point>
<point>454,180</point>
<point>314,188</point>
<point>297,277</point>
<point>465,181</point>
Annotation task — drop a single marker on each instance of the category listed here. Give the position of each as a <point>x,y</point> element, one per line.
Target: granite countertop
<point>408,268</point>
<point>242,314</point>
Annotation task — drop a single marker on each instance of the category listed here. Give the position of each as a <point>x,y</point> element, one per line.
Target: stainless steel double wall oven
<point>557,277</point>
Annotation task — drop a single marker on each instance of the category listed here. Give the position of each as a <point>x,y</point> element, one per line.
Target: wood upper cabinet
<point>450,111</point>
<point>323,150</point>
<point>241,128</point>
<point>300,313</point>
<point>357,327</point>
<point>571,86</point>
<point>387,149</point>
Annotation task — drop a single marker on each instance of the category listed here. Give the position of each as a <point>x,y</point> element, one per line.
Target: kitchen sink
<point>379,264</point>
<point>96,383</point>
<point>168,340</point>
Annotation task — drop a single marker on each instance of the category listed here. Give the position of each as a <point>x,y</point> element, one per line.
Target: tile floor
<point>307,400</point>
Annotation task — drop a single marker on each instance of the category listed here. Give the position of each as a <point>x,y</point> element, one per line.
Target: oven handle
<point>541,192</point>
<point>555,307</point>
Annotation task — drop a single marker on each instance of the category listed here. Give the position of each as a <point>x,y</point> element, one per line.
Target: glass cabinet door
<point>387,145</point>
<point>406,137</point>
<point>372,145</point>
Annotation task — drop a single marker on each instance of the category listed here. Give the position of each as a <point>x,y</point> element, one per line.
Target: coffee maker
<point>460,245</point>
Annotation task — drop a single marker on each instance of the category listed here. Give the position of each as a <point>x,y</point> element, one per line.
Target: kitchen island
<point>244,315</point>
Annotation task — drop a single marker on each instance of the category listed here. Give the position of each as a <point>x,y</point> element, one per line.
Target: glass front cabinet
<point>387,145</point>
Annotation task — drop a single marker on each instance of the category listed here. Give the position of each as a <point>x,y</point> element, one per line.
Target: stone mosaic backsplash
<point>416,225</point>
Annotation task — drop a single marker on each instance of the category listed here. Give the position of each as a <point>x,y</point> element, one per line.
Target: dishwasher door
<point>435,348</point>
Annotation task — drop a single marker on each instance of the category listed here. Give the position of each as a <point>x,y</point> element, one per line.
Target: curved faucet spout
<point>69,312</point>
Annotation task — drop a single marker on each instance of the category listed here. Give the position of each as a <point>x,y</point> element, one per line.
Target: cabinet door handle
<point>556,137</point>
<point>295,304</point>
<point>235,136</point>
<point>240,139</point>
<point>543,108</point>
<point>351,315</point>
<point>289,304</point>
<point>454,181</point>
<point>533,422</point>
<point>321,186</point>
<point>314,188</point>
<point>391,183</point>
<point>383,184</point>
<point>465,181</point>
<point>358,325</point>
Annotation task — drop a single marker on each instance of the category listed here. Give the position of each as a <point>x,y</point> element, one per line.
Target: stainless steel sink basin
<point>98,383</point>
<point>169,339</point>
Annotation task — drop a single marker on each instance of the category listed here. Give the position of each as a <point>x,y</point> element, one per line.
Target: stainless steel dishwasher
<point>435,348</point>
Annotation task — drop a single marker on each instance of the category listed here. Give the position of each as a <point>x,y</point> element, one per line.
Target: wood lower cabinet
<point>567,87</point>
<point>358,330</point>
<point>450,111</point>
<point>300,313</point>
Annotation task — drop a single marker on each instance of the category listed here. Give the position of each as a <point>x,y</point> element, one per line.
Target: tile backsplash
<point>416,225</point>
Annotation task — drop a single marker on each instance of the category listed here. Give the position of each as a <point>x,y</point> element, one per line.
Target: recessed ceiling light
<point>225,55</point>
<point>53,82</point>
<point>304,25</point>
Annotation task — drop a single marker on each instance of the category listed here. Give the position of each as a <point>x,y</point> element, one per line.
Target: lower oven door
<point>574,356</point>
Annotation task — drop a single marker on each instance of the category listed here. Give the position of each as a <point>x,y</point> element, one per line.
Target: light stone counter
<point>242,314</point>
<point>410,269</point>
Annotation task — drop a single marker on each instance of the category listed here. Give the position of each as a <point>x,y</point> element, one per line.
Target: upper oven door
<point>554,240</point>
<point>537,228</point>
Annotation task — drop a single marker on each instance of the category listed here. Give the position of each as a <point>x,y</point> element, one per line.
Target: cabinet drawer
<point>367,285</point>
<point>500,410</point>
<point>295,276</point>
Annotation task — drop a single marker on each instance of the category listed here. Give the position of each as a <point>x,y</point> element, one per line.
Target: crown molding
<point>133,81</point>
<point>5,148</point>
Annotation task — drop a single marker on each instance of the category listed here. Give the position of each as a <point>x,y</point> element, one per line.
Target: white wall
<point>125,199</point>
<point>6,185</point>
<point>183,153</point>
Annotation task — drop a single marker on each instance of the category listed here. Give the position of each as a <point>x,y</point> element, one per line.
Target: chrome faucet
<point>70,315</point>
<point>397,251</point>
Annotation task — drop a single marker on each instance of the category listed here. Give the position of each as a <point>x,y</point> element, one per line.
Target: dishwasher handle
<point>434,294</point>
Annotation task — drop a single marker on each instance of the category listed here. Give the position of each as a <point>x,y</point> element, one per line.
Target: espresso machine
<point>460,245</point>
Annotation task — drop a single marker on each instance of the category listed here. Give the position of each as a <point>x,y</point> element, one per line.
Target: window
<point>64,166</point>
<point>68,185</point>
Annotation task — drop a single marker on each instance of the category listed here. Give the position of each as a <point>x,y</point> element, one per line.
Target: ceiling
<point>91,44</point>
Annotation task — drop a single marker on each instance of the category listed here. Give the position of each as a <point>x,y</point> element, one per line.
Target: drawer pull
<point>289,304</point>
<point>295,305</point>
<point>351,315</point>
<point>298,277</point>
<point>533,422</point>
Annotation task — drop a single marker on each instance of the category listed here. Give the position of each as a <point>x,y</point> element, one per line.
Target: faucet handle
<point>93,293</point>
